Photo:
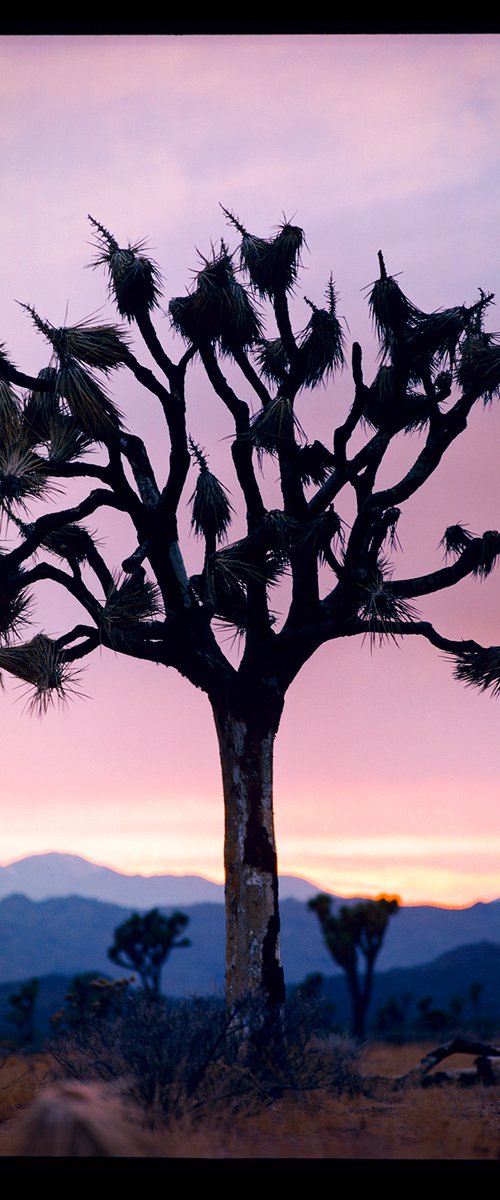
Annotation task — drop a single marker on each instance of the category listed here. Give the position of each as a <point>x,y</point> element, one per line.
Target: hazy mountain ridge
<point>66,927</point>
<point>443,980</point>
<point>43,876</point>
<point>72,934</point>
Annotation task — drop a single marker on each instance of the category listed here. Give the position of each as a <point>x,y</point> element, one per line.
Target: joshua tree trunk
<point>253,965</point>
<point>359,1001</point>
<point>360,996</point>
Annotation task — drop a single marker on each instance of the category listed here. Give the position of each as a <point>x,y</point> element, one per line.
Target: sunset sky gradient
<point>387,770</point>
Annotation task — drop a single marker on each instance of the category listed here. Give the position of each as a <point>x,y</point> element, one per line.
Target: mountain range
<point>42,876</point>
<point>52,923</point>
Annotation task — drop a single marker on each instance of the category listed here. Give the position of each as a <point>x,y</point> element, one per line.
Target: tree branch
<point>50,522</point>
<point>468,562</point>
<point>241,449</point>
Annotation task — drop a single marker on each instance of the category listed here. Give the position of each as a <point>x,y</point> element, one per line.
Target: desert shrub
<point>177,1057</point>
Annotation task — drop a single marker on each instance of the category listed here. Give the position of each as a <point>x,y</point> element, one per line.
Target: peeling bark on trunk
<point>253,965</point>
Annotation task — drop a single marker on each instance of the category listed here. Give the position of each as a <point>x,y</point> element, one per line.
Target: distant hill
<point>43,876</point>
<point>69,935</point>
<point>447,977</point>
<point>443,980</point>
<point>417,934</point>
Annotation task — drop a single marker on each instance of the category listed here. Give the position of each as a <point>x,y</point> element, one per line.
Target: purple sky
<point>387,770</point>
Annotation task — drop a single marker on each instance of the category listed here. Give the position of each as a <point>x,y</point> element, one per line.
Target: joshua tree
<point>434,368</point>
<point>143,944</point>
<point>22,1009</point>
<point>475,992</point>
<point>90,996</point>
<point>354,934</point>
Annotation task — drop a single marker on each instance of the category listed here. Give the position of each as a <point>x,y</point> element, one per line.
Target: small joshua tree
<point>352,935</point>
<point>143,944</point>
<point>22,1009</point>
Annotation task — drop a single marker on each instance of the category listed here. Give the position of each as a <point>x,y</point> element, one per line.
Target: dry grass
<point>20,1078</point>
<point>442,1123</point>
<point>418,1124</point>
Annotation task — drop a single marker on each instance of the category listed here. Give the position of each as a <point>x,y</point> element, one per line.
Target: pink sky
<point>387,770</point>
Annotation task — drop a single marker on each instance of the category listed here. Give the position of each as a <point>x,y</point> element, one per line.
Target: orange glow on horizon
<point>320,876</point>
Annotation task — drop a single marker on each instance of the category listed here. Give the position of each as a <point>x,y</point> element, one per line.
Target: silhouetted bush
<point>174,1057</point>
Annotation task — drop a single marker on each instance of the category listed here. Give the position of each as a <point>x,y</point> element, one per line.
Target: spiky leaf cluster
<point>272,264</point>
<point>40,407</point>
<point>455,539</point>
<point>434,338</point>
<point>316,463</point>
<point>380,610</point>
<point>14,601</point>
<point>322,342</point>
<point>279,533</point>
<point>93,411</point>
<point>64,440</point>
<point>231,571</point>
<point>72,542</point>
<point>224,593</point>
<point>23,476</point>
<point>101,346</point>
<point>479,368</point>
<point>131,599</point>
<point>211,510</point>
<point>419,344</point>
<point>382,401</point>
<point>275,425</point>
<point>490,550</point>
<point>480,669</point>
<point>44,424</point>
<point>272,360</point>
<point>6,366</point>
<point>41,665</point>
<point>390,407</point>
<point>218,309</point>
<point>57,432</point>
<point>134,278</point>
<point>417,413</point>
<point>392,312</point>
<point>10,413</point>
<point>246,562</point>
<point>320,533</point>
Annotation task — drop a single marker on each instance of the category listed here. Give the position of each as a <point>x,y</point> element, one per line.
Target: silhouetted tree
<point>143,944</point>
<point>457,1005</point>
<point>432,1019</point>
<point>393,1016</point>
<point>331,531</point>
<point>22,1009</point>
<point>390,1016</point>
<point>475,993</point>
<point>310,987</point>
<point>90,997</point>
<point>354,937</point>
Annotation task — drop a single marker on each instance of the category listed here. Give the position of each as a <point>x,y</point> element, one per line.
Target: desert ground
<point>446,1123</point>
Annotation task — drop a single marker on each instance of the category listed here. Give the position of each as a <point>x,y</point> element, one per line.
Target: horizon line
<point>358,895</point>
